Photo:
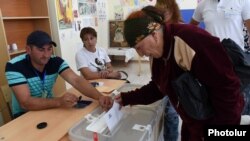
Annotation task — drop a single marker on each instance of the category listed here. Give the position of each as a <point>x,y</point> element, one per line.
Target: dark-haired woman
<point>93,62</point>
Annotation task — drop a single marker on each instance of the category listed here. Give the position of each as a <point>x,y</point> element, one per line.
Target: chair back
<point>5,98</point>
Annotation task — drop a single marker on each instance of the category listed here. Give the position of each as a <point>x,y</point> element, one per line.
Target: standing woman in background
<point>226,19</point>
<point>171,11</point>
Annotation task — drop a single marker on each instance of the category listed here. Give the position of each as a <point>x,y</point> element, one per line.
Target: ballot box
<point>138,123</point>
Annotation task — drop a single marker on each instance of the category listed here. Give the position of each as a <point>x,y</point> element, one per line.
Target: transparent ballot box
<point>136,125</point>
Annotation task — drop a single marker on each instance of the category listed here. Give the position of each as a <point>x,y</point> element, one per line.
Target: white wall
<point>187,4</point>
<point>127,6</point>
<point>66,39</point>
<point>102,28</point>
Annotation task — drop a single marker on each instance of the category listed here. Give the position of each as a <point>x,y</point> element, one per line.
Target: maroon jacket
<point>210,65</point>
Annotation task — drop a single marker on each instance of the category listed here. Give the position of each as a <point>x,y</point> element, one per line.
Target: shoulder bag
<point>193,96</point>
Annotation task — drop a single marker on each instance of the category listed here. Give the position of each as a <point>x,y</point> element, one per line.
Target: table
<point>129,54</point>
<point>59,120</point>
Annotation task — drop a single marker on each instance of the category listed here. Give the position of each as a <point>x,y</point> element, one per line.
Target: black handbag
<point>240,60</point>
<point>192,96</point>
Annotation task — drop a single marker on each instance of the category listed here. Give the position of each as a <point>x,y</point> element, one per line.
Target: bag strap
<point>126,76</point>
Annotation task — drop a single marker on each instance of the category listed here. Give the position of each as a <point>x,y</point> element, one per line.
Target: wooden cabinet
<point>18,18</point>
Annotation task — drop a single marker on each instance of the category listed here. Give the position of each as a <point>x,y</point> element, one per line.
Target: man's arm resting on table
<point>109,73</point>
<point>83,86</point>
<point>112,74</point>
<point>28,102</point>
<point>88,74</point>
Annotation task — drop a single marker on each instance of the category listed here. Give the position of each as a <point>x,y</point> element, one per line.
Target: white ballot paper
<point>98,125</point>
<point>113,116</point>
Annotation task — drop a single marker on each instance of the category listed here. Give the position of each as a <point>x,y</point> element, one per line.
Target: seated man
<point>32,76</point>
<point>93,62</point>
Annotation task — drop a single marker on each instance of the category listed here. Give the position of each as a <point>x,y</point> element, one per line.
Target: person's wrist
<point>58,102</point>
<point>99,74</point>
<point>98,97</point>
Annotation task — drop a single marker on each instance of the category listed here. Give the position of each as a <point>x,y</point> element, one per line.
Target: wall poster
<point>116,34</point>
<point>86,7</point>
<point>65,13</point>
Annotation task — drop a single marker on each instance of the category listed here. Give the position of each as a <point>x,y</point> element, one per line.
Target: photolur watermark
<point>234,133</point>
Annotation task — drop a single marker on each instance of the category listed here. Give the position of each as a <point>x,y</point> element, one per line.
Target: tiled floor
<point>132,68</point>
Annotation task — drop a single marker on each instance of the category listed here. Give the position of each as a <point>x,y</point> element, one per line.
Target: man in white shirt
<point>224,18</point>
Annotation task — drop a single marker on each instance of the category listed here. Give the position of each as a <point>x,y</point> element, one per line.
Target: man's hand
<point>104,73</point>
<point>114,75</point>
<point>106,102</point>
<point>68,100</point>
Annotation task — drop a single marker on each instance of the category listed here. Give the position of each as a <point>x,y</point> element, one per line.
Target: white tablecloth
<point>129,53</point>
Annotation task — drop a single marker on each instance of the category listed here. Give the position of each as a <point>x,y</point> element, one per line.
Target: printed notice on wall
<point>101,11</point>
